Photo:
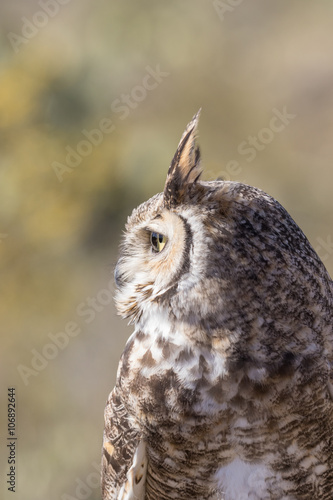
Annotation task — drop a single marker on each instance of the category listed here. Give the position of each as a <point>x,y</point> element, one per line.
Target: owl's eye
<point>158,241</point>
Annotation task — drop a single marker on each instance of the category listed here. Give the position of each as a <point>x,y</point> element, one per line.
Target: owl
<point>224,390</point>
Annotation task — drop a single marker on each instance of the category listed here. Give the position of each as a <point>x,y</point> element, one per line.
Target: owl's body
<point>224,390</point>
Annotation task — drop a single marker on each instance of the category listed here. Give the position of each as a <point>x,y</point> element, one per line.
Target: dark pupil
<point>156,238</point>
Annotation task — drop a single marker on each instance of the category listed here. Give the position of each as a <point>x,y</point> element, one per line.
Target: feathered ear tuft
<point>185,169</point>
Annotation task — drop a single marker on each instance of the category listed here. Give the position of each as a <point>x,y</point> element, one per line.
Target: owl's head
<point>215,255</point>
<point>157,251</point>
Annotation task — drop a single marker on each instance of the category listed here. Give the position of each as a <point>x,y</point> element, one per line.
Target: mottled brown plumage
<point>224,390</point>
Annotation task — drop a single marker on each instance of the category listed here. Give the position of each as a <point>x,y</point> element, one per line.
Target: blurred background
<point>94,96</point>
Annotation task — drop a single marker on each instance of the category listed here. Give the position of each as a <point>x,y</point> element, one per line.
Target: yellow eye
<point>158,241</point>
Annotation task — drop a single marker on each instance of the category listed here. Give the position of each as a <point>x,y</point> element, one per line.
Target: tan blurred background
<point>131,75</point>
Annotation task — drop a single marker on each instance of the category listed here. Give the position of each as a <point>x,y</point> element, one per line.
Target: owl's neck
<point>178,356</point>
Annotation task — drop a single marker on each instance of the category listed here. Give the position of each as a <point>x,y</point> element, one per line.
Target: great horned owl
<point>224,389</point>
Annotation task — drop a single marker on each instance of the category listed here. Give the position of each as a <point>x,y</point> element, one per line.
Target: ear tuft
<point>185,169</point>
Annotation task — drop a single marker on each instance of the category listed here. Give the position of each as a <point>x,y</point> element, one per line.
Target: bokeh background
<point>68,66</point>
